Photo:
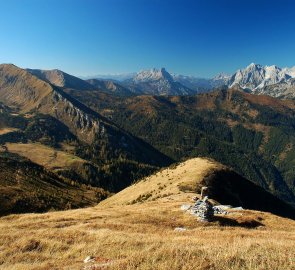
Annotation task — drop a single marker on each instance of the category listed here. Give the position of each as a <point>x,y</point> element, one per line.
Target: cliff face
<point>26,93</point>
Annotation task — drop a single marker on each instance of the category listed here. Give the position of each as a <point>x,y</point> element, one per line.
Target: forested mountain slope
<point>252,134</point>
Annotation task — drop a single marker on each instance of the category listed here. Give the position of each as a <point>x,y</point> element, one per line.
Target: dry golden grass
<point>43,155</point>
<point>142,236</point>
<point>166,184</point>
<point>26,92</point>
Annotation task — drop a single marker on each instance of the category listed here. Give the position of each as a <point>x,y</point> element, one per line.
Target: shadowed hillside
<point>26,187</point>
<point>252,134</point>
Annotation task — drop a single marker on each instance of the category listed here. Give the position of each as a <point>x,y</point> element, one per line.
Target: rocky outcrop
<point>86,126</point>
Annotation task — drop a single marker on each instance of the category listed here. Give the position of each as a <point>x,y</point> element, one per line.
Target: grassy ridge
<point>141,235</point>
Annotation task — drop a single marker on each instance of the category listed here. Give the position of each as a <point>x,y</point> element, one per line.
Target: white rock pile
<point>221,209</point>
<point>203,210</point>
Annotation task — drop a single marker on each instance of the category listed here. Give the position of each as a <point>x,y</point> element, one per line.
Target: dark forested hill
<point>253,134</point>
<point>28,187</point>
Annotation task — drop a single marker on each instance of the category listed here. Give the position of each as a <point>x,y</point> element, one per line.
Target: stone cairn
<point>203,209</point>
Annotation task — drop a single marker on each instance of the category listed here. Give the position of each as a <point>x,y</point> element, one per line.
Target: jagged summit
<point>253,65</point>
<point>153,75</point>
<point>221,76</point>
<point>157,82</point>
<point>256,76</point>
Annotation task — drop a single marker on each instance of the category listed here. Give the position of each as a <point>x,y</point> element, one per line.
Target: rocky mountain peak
<point>253,65</point>
<point>221,76</point>
<point>153,75</point>
<point>256,76</point>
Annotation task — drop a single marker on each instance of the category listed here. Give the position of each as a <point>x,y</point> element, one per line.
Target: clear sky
<point>199,37</point>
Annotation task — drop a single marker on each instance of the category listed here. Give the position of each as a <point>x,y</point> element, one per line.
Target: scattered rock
<point>180,229</point>
<point>204,210</point>
<point>94,263</point>
<point>195,198</point>
<point>185,207</point>
<point>89,259</point>
<point>221,209</point>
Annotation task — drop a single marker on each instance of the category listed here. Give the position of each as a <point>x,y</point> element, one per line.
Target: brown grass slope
<point>23,91</point>
<point>141,235</point>
<point>61,79</point>
<point>50,158</point>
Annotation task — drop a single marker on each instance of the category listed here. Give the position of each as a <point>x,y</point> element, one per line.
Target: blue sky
<point>200,37</point>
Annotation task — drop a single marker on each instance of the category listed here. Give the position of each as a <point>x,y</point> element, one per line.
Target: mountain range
<point>261,80</point>
<point>106,135</point>
<point>257,79</point>
<point>156,82</point>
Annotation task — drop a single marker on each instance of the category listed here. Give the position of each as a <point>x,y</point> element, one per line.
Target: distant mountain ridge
<point>114,77</point>
<point>267,80</point>
<point>61,79</point>
<point>156,82</point>
<point>109,86</point>
<point>257,79</point>
<point>200,85</point>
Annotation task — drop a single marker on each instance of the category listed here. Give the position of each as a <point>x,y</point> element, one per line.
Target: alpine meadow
<point>150,135</point>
